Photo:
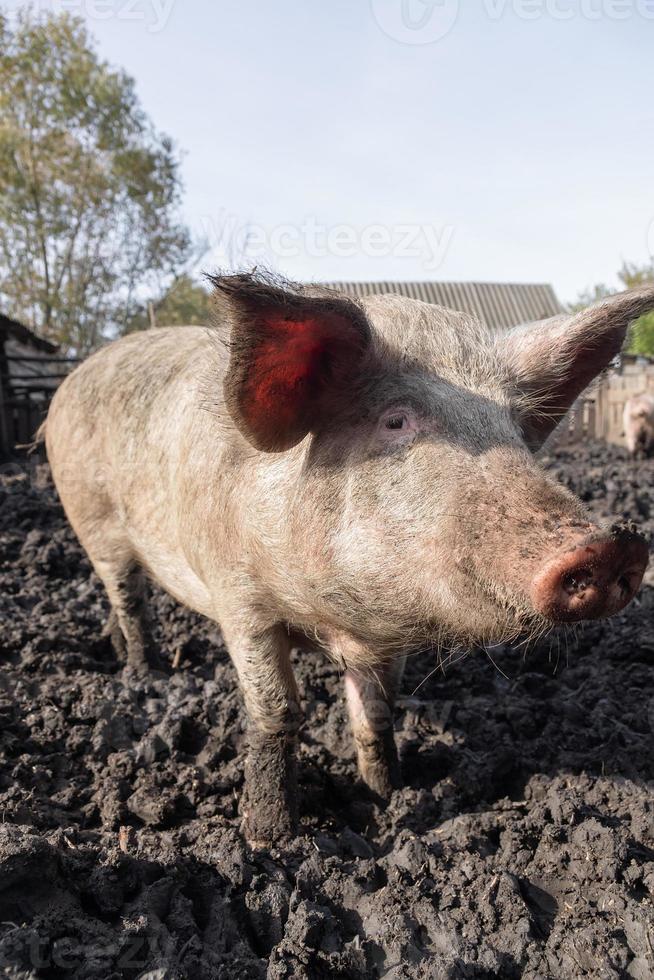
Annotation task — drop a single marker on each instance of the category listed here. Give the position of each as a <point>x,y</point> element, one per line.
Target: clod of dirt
<point>521,846</point>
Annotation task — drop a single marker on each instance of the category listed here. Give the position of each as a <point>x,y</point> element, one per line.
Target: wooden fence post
<point>4,428</point>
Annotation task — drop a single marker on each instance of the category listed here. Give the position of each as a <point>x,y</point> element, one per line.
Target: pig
<point>638,420</point>
<point>357,472</point>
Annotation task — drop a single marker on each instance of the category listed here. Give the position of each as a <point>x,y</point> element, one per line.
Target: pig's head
<point>418,512</point>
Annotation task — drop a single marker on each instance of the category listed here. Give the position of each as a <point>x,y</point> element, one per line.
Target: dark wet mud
<point>521,846</point>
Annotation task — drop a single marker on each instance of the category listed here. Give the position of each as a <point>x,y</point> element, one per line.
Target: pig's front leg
<point>370,699</point>
<point>269,803</point>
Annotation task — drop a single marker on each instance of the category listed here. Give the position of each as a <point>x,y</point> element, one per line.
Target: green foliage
<point>184,303</point>
<point>89,191</point>
<point>641,334</point>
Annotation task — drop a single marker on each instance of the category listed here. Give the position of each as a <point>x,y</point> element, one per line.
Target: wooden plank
<point>4,427</point>
<point>592,420</point>
<point>618,397</point>
<point>44,360</point>
<point>601,404</point>
<point>22,424</point>
<point>5,445</point>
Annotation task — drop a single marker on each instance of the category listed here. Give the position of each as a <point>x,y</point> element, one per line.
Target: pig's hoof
<point>139,668</point>
<point>261,835</point>
<point>147,659</point>
<point>380,783</point>
<point>145,669</point>
<point>116,637</point>
<point>267,821</point>
<point>379,767</point>
<point>269,803</point>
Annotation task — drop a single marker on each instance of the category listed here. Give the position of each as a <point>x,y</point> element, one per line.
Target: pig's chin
<point>490,616</point>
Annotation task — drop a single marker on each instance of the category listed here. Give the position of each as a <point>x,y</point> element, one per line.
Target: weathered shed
<point>30,370</point>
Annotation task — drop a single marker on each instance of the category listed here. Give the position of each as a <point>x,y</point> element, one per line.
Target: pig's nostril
<point>576,581</point>
<point>625,586</point>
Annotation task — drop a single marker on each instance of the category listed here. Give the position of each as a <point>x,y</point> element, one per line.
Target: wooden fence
<point>27,384</point>
<point>598,413</point>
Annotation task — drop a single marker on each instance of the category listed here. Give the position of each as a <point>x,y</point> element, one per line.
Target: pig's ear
<point>291,356</point>
<point>551,362</point>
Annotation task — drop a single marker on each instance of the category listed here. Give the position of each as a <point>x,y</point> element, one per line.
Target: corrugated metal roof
<point>20,333</point>
<point>498,304</point>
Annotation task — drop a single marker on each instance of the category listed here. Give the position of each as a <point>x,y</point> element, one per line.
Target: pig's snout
<point>596,579</point>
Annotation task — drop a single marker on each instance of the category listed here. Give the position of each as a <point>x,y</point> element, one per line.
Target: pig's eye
<point>398,426</point>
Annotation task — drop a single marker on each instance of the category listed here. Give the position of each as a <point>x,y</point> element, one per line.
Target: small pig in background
<point>358,472</point>
<point>638,421</point>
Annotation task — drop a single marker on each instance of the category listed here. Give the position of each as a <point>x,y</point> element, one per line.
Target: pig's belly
<point>173,573</point>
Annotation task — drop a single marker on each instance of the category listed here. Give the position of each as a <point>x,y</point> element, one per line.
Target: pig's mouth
<point>511,617</point>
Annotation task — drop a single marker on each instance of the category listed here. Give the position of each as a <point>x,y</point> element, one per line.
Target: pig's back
<point>124,430</point>
<point>126,390</point>
<point>130,376</point>
<point>126,407</point>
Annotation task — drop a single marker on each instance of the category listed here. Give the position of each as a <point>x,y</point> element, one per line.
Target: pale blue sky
<point>518,146</point>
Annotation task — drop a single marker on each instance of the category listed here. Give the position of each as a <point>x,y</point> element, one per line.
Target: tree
<point>184,303</point>
<point>641,334</point>
<point>89,190</point>
<point>590,296</point>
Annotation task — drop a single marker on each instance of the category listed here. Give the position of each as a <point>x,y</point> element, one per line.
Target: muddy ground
<point>521,846</point>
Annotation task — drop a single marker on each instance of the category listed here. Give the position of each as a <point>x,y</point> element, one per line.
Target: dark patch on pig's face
<point>436,411</point>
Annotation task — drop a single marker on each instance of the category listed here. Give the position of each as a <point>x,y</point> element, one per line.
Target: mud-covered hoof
<point>113,631</point>
<point>147,659</point>
<point>379,766</point>
<point>139,668</point>
<point>269,804</point>
<point>261,833</point>
<point>134,655</point>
